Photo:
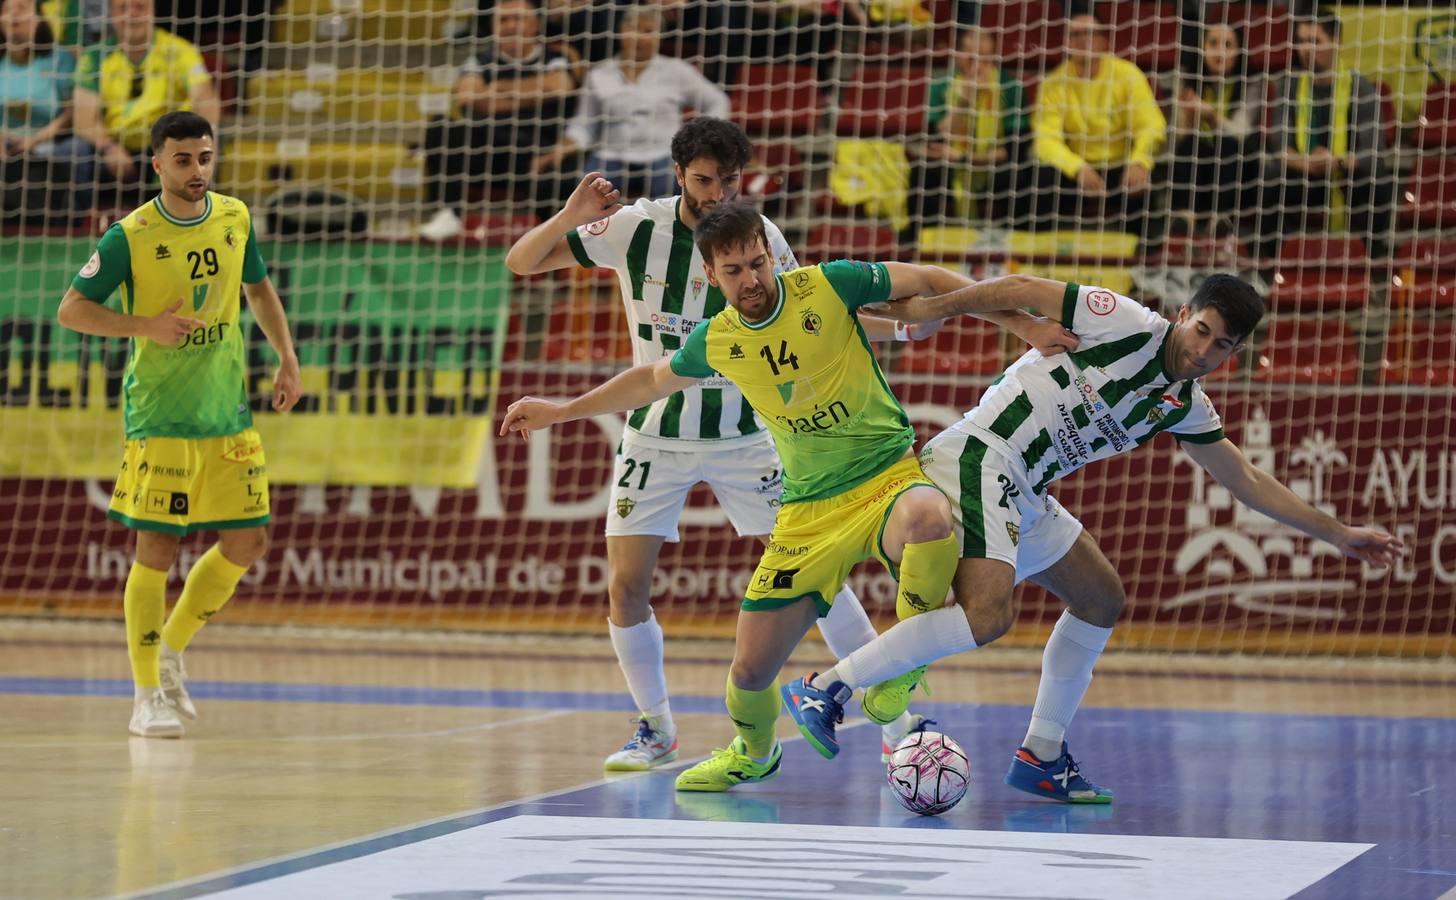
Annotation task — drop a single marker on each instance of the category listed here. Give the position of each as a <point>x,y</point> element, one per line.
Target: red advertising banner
<point>526,542</point>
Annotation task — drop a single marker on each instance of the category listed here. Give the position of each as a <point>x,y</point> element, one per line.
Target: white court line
<point>389,832</point>
<point>312,738</point>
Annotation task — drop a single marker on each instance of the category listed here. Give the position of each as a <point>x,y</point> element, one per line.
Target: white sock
<point>847,627</point>
<point>916,641</point>
<point>895,732</point>
<point>1066,671</point>
<point>639,653</point>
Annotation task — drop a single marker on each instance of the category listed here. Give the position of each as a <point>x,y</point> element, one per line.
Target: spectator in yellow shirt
<point>1096,130</point>
<point>129,81</point>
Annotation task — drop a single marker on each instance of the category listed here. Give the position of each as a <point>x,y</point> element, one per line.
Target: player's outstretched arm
<point>1042,296</point>
<point>267,309</point>
<point>544,248</point>
<point>638,386</point>
<point>917,291</point>
<point>79,313</point>
<point>1263,492</point>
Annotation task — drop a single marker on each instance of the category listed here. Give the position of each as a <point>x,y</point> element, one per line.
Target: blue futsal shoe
<point>816,712</point>
<point>1056,780</point>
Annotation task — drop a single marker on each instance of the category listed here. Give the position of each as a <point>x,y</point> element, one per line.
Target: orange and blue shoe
<point>816,712</point>
<point>1059,779</point>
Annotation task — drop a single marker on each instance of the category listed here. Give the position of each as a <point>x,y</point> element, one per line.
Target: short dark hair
<point>44,40</point>
<point>179,126</point>
<point>728,225</point>
<point>1239,304</point>
<point>1328,21</point>
<point>717,139</point>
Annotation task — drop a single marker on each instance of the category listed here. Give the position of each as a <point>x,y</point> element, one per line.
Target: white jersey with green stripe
<point>666,294</point>
<point>1056,414</point>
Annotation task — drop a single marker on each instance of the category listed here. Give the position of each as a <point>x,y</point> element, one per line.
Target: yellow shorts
<point>182,485</point>
<point>815,543</point>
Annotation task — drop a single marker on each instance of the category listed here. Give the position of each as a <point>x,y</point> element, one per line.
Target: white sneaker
<point>174,685</point>
<point>443,226</point>
<point>648,749</point>
<point>153,717</point>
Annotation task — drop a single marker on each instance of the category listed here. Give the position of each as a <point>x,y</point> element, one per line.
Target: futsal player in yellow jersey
<point>853,488</point>
<point>192,460</point>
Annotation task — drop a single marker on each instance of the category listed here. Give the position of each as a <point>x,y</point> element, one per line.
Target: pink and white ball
<point>929,773</point>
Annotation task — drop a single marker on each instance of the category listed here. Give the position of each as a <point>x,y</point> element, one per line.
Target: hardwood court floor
<point>308,742</point>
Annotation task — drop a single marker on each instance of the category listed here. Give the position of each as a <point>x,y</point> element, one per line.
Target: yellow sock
<point>145,602</point>
<point>209,585</point>
<point>926,572</point>
<point>754,714</point>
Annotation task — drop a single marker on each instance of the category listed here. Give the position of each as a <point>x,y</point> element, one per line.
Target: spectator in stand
<point>36,148</point>
<point>585,26</point>
<point>1097,129</point>
<point>1327,149</point>
<point>509,102</point>
<point>629,109</point>
<point>978,129</point>
<point>127,83</point>
<point>803,31</point>
<point>1218,115</point>
<point>695,32</point>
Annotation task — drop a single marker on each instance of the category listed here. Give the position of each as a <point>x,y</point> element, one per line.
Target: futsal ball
<point>929,773</point>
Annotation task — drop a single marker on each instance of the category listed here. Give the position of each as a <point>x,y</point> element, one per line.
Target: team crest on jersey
<point>599,227</point>
<point>1014,533</point>
<point>93,265</point>
<point>1155,415</point>
<point>228,238</point>
<point>625,505</point>
<point>812,323</point>
<point>698,285</point>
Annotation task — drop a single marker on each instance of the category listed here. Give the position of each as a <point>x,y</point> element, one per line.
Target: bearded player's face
<point>705,184</point>
<point>185,166</point>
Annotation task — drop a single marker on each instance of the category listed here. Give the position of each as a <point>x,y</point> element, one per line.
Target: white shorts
<point>650,487</point>
<point>997,516</point>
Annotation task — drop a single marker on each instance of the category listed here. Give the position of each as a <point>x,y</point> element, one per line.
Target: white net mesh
<point>990,137</point>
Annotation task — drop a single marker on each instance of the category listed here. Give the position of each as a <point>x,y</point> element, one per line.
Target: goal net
<point>392,150</point>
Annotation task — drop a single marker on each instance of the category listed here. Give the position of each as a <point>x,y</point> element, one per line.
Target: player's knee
<point>925,515</point>
<point>989,617</point>
<point>631,597</point>
<point>244,548</point>
<point>1101,603</point>
<point>748,675</point>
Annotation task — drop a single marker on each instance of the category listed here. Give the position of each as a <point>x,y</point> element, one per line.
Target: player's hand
<point>1371,545</point>
<point>1089,181</point>
<point>166,327</point>
<point>530,414</point>
<point>595,198</point>
<point>1137,179</point>
<point>287,385</point>
<point>1048,336</point>
<point>922,330</point>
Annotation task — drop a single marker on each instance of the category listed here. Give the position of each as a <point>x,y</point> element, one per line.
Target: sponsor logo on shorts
<point>625,505</point>
<point>167,503</point>
<point>243,453</point>
<point>118,494</point>
<point>150,639</point>
<point>770,483</point>
<point>168,472</point>
<point>787,550</point>
<point>143,468</point>
<point>776,579</point>
<point>1014,533</point>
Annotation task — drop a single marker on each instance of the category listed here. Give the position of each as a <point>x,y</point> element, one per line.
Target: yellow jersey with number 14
<point>196,388</point>
<point>808,371</point>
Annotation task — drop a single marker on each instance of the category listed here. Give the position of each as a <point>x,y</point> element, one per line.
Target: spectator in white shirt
<point>630,107</point>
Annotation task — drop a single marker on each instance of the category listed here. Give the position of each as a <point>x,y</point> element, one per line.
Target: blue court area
<point>1364,804</point>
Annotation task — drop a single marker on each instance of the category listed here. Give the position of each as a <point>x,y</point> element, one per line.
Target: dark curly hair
<point>716,139</point>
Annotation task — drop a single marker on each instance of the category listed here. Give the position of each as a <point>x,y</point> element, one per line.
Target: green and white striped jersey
<point>1058,413</point>
<point>666,293</point>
